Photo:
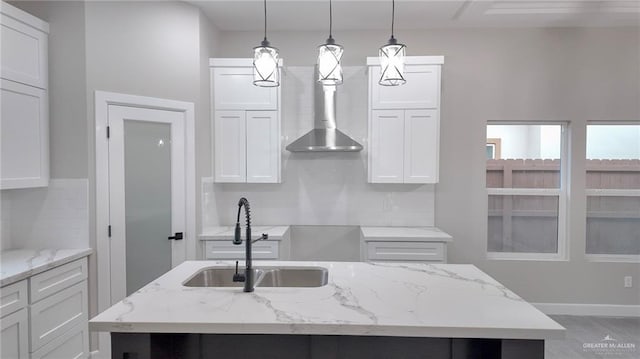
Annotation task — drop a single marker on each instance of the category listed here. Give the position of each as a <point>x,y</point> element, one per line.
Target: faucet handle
<point>261,238</point>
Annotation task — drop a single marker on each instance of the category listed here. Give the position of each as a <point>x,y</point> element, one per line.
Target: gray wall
<point>67,83</point>
<point>568,74</point>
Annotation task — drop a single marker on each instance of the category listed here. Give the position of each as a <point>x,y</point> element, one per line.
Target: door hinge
<point>108,131</point>
<point>109,231</point>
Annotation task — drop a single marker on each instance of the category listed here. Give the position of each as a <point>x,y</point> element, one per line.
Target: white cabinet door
<point>24,47</point>
<point>233,89</point>
<point>263,147</point>
<point>15,335</point>
<point>24,136</point>
<point>387,146</point>
<point>422,89</point>
<point>421,146</point>
<point>230,146</point>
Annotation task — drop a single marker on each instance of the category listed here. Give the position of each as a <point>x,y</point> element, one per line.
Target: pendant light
<point>329,55</point>
<point>392,58</point>
<point>265,61</point>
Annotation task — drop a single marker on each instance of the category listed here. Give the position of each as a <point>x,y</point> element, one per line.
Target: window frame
<point>607,192</point>
<point>562,193</point>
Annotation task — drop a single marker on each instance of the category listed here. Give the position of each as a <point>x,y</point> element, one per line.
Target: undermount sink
<point>300,277</point>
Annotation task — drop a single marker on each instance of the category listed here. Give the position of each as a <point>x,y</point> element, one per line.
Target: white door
<point>146,195</point>
<point>263,147</point>
<point>230,146</point>
<point>421,146</point>
<point>387,146</point>
<point>234,90</point>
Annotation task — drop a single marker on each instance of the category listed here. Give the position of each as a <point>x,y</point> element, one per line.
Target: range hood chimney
<point>325,137</point>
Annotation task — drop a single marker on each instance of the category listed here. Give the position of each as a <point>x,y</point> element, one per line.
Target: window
<point>613,191</point>
<point>526,191</point>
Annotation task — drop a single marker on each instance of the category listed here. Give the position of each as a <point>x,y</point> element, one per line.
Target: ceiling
<point>287,15</point>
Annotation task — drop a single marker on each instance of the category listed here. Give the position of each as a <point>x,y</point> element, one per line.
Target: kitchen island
<point>366,310</point>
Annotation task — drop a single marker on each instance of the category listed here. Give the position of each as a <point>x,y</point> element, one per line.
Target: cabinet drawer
<point>13,297</point>
<point>73,344</point>
<point>405,251</point>
<point>228,250</point>
<point>57,314</point>
<point>422,90</point>
<point>54,280</point>
<point>14,335</point>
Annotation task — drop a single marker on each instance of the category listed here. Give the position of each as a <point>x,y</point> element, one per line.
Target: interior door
<point>146,195</point>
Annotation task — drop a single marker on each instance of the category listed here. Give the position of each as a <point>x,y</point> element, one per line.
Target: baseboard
<point>598,310</point>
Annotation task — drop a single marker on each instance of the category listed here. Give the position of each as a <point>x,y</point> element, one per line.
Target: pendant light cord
<point>393,15</point>
<point>330,19</point>
<point>265,20</point>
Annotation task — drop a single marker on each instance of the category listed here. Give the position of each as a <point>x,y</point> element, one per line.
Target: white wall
<point>323,188</point>
<point>564,74</point>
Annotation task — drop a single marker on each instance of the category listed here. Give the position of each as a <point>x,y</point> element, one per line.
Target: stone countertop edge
<point>19,264</point>
<point>422,234</point>
<point>382,299</point>
<point>276,233</point>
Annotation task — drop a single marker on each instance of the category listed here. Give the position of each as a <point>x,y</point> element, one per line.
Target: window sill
<point>613,258</point>
<point>510,256</point>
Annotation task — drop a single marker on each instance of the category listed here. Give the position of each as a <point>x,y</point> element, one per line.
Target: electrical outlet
<point>628,281</point>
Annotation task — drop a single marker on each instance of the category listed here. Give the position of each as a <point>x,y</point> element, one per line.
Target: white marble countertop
<point>390,299</point>
<point>276,233</point>
<point>404,234</point>
<point>18,264</point>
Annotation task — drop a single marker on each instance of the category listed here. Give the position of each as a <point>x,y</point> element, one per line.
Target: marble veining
<point>387,299</point>
<point>18,264</point>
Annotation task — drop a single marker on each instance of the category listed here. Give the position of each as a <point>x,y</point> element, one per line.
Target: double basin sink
<point>297,277</point>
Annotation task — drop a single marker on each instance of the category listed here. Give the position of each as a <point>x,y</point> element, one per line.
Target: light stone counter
<point>18,264</point>
<point>275,233</point>
<point>378,299</point>
<point>421,234</point>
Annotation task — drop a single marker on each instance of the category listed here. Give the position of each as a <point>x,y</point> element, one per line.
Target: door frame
<point>102,101</point>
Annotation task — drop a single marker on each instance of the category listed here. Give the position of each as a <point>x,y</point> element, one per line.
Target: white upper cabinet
<point>387,146</point>
<point>247,144</point>
<point>263,147</point>
<point>233,87</point>
<point>404,123</point>
<point>421,91</point>
<point>24,117</point>
<point>421,145</point>
<point>230,146</point>
<point>24,47</point>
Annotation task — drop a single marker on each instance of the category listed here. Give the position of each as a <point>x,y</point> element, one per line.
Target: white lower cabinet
<point>50,320</point>
<point>53,316</point>
<point>228,250</point>
<point>14,336</point>
<point>73,344</point>
<point>405,251</point>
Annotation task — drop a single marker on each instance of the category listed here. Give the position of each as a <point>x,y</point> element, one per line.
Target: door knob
<point>177,236</point>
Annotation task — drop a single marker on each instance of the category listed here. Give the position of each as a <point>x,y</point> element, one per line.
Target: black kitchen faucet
<point>247,277</point>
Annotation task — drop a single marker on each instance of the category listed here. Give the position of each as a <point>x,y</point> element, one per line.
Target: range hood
<point>325,137</point>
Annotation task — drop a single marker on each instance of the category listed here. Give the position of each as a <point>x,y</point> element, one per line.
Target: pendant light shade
<point>392,56</point>
<point>265,61</point>
<point>329,57</point>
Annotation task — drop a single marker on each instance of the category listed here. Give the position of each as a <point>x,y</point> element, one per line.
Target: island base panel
<point>267,346</point>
